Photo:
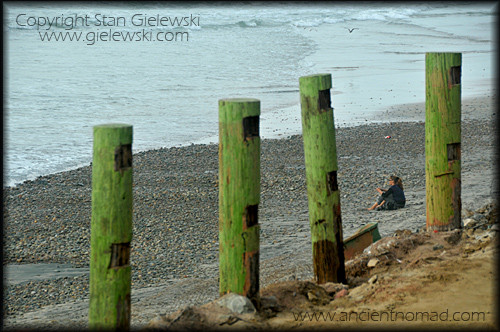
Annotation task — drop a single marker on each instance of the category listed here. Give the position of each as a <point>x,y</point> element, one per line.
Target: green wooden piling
<point>111,228</point>
<point>239,196</point>
<point>443,140</point>
<point>320,152</point>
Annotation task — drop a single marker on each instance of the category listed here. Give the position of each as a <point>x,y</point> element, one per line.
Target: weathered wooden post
<point>442,141</point>
<point>239,196</point>
<point>320,152</point>
<point>111,228</point>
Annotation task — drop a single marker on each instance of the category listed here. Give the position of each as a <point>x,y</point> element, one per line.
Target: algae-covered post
<point>320,152</point>
<point>239,196</point>
<point>111,228</point>
<point>443,140</point>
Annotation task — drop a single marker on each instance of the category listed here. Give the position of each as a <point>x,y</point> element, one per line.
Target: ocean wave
<point>354,14</point>
<point>249,24</point>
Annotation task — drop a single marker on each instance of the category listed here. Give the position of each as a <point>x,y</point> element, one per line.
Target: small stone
<point>342,293</point>
<point>484,209</point>
<point>454,237</point>
<point>373,262</point>
<point>269,302</point>
<point>368,249</point>
<point>437,247</point>
<point>373,279</point>
<point>470,232</point>
<point>311,296</point>
<point>331,288</point>
<point>468,213</point>
<point>478,217</point>
<point>392,243</point>
<point>469,222</point>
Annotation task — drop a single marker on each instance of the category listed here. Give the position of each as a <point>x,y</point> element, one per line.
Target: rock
<point>495,227</point>
<point>470,232</point>
<point>478,216</point>
<point>341,293</point>
<point>492,215</point>
<point>468,213</point>
<point>312,297</point>
<point>317,295</point>
<point>269,306</point>
<point>485,236</point>
<point>183,319</point>
<point>486,209</point>
<point>269,302</point>
<point>454,236</point>
<point>236,303</point>
<point>205,318</point>
<point>373,279</point>
<point>469,222</point>
<point>331,288</point>
<point>373,262</point>
<point>391,243</point>
<point>368,250</point>
<point>437,247</point>
<point>159,322</point>
<point>402,232</point>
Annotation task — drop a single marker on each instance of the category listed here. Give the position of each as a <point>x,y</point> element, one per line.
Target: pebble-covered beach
<point>175,234</point>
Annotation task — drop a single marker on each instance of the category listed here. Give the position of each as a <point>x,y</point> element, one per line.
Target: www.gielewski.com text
<point>108,36</point>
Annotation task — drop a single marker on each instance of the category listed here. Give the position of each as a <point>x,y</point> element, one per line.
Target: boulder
<point>236,303</point>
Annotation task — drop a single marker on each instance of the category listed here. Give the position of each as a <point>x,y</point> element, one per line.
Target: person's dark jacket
<point>397,194</point>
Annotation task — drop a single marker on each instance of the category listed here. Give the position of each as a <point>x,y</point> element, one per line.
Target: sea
<point>162,67</point>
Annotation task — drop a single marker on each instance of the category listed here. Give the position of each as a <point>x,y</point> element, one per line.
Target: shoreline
<point>288,123</point>
<point>370,81</point>
<point>365,80</point>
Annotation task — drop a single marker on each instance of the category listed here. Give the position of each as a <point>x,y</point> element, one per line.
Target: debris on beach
<point>393,272</point>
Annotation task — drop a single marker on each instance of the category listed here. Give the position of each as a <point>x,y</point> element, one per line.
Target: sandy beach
<point>175,245</point>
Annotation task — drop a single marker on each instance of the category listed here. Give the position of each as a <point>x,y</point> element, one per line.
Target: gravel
<point>175,233</point>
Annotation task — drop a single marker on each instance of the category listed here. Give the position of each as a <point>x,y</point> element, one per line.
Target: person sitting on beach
<point>392,198</point>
